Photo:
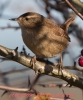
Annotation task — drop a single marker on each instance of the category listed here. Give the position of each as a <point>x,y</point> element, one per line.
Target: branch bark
<point>42,67</point>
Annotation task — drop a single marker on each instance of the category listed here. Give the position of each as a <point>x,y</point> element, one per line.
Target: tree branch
<point>11,89</point>
<point>74,9</point>
<point>78,5</point>
<point>42,67</point>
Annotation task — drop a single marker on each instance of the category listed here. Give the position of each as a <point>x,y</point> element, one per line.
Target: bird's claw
<point>33,61</point>
<point>60,64</point>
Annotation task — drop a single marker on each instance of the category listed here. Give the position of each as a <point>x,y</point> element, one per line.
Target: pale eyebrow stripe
<point>32,16</point>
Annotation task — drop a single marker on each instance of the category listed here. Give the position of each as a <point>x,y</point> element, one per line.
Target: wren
<point>42,36</point>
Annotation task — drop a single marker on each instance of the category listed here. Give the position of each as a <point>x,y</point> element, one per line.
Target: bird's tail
<point>66,24</point>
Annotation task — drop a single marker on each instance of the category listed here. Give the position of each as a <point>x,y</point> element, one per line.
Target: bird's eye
<point>26,19</point>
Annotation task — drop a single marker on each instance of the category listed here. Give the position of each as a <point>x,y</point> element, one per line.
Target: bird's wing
<point>53,28</point>
<point>60,32</point>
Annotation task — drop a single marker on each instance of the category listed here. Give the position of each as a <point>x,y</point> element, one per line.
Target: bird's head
<point>29,20</point>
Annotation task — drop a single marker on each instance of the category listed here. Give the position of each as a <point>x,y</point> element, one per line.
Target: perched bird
<point>42,36</point>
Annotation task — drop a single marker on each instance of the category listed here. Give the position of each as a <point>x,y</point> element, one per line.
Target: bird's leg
<point>60,64</point>
<point>33,61</point>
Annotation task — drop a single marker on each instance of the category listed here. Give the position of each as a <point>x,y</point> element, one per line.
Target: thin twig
<point>10,27</point>
<point>74,9</point>
<point>27,90</point>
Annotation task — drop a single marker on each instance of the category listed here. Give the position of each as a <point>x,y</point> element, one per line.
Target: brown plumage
<point>42,36</point>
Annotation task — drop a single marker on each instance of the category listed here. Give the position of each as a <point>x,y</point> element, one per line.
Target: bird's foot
<point>33,61</point>
<point>60,65</point>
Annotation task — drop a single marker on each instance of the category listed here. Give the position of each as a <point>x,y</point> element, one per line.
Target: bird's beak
<point>13,19</point>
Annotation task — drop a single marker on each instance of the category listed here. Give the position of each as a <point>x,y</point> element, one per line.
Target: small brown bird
<point>42,36</point>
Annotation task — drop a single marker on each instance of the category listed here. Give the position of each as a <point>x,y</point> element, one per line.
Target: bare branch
<point>74,9</point>
<point>10,27</point>
<point>42,67</point>
<point>7,88</point>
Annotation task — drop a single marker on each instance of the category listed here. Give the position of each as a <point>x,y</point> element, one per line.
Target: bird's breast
<point>44,44</point>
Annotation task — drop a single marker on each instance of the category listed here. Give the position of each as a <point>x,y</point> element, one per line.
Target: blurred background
<point>16,75</point>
